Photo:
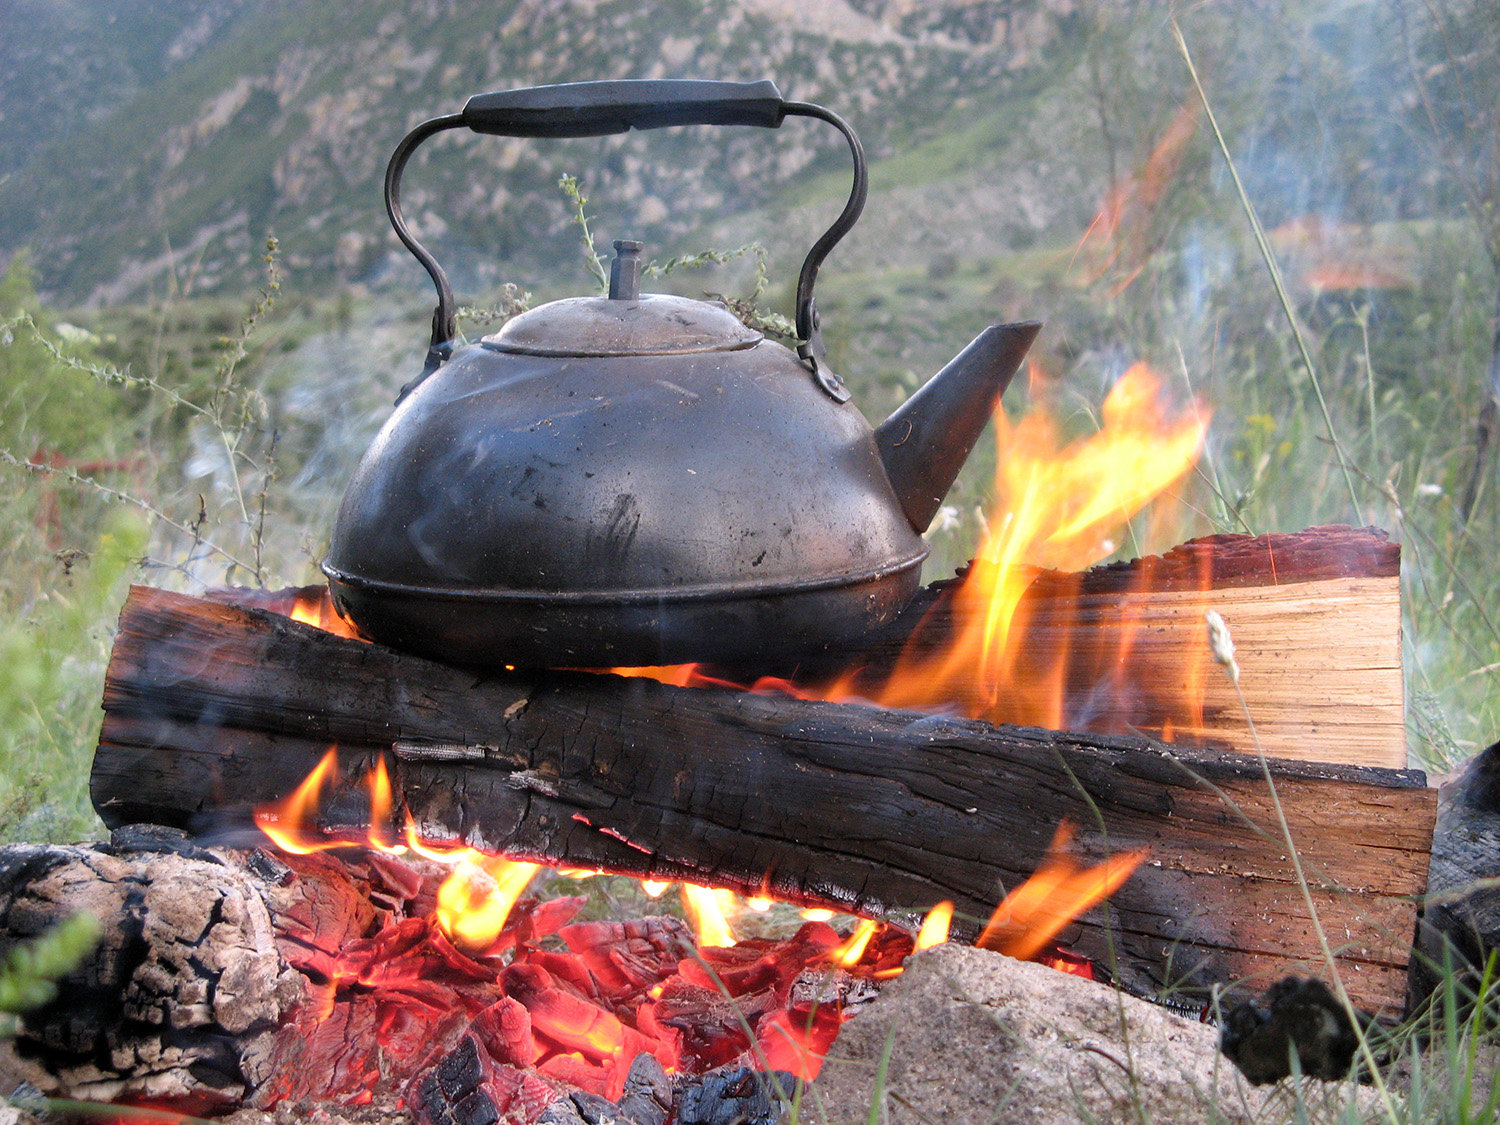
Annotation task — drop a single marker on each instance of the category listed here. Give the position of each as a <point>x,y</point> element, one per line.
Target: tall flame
<point>1062,505</point>
<point>287,821</point>
<point>706,909</point>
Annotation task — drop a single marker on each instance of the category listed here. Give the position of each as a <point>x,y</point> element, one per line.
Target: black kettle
<point>642,479</point>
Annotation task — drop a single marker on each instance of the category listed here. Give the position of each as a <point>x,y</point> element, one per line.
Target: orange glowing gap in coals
<point>1058,891</point>
<point>476,899</point>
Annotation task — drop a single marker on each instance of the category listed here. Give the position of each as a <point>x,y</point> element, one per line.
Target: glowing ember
<point>1060,890</point>
<point>580,1016</point>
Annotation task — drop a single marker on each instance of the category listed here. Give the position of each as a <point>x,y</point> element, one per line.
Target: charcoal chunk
<point>596,1110</point>
<point>460,1072</point>
<point>561,1112</point>
<point>156,838</point>
<point>733,1095</point>
<point>1296,1016</point>
<point>648,1092</point>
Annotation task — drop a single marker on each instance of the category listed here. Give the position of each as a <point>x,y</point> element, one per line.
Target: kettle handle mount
<point>588,109</point>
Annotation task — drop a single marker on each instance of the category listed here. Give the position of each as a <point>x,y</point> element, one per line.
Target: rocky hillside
<point>152,152</point>
<point>177,144</point>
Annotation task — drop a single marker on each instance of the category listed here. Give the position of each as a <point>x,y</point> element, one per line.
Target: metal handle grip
<point>580,109</point>
<point>591,109</point>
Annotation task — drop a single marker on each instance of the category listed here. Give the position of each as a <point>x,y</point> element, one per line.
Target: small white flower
<point>1429,489</point>
<point>947,519</point>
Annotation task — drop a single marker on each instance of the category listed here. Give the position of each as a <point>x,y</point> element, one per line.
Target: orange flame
<point>312,605</point>
<point>935,926</point>
<point>705,908</point>
<point>849,954</point>
<point>1060,890</point>
<point>1064,505</point>
<point>287,821</point>
<point>474,902</point>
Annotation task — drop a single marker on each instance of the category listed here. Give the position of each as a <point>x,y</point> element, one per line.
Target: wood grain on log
<point>212,710</point>
<point>1315,617</point>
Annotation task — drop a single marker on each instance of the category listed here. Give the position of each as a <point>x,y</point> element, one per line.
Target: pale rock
<point>979,1037</point>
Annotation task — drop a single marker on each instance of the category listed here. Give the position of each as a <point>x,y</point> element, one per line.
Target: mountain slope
<point>282,117</point>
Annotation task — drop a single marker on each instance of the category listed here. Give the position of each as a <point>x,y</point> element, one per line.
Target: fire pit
<point>355,786</point>
<point>881,812</point>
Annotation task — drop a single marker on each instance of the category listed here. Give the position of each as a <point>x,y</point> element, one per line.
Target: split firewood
<point>1315,618</point>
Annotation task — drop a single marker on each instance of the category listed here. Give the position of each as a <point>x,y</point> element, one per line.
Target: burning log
<point>212,710</point>
<point>1315,616</point>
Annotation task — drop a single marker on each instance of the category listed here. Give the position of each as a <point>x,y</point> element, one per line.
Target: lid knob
<point>625,271</point>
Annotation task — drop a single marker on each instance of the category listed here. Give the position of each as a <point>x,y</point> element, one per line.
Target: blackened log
<point>1461,924</point>
<point>212,710</point>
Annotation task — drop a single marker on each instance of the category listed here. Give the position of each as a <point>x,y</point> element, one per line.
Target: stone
<point>978,1037</point>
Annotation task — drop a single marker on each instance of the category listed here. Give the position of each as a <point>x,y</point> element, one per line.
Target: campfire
<point>429,834</point>
<point>693,999</point>
<point>391,830</point>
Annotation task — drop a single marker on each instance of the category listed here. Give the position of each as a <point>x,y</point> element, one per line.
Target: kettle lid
<point>651,324</point>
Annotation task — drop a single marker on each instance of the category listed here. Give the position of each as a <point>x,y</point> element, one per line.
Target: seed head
<point>1221,643</point>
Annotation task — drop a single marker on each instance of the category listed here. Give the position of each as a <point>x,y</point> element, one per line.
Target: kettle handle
<point>587,109</point>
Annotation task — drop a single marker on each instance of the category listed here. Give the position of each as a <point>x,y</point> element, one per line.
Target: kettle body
<point>643,479</point>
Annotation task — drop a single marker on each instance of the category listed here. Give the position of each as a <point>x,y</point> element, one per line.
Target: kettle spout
<point>926,441</point>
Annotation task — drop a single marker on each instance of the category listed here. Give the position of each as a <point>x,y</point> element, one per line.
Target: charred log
<point>1461,924</point>
<point>212,710</point>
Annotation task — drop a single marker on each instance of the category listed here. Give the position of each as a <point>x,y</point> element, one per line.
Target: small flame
<point>1123,234</point>
<point>380,807</point>
<point>705,908</point>
<point>314,606</point>
<point>1058,891</point>
<point>935,926</point>
<point>474,902</point>
<point>849,954</point>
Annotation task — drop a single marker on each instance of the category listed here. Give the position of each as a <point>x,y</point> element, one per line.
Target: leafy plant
<point>31,969</point>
